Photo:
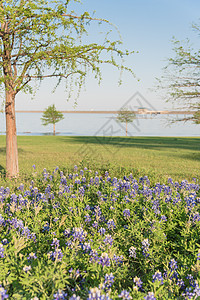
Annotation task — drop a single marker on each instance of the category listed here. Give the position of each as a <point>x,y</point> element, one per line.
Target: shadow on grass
<point>139,142</point>
<point>2,171</point>
<point>169,144</point>
<point>3,150</point>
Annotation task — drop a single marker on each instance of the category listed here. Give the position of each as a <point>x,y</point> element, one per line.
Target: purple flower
<point>31,256</point>
<point>87,218</point>
<point>138,282</point>
<point>79,234</point>
<point>111,224</point>
<point>150,296</point>
<point>104,260</point>
<point>126,213</point>
<point>3,293</point>
<point>145,247</point>
<point>60,295</point>
<point>157,277</point>
<point>109,280</point>
<point>108,240</point>
<point>125,295</point>
<point>74,297</point>
<point>132,252</point>
<point>102,231</point>
<point>1,251</point>
<point>26,269</point>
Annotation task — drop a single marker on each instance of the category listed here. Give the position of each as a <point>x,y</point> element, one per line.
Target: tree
<point>126,116</point>
<point>43,39</point>
<point>51,116</point>
<point>181,78</point>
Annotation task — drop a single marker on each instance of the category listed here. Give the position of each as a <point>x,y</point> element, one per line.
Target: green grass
<point>162,156</point>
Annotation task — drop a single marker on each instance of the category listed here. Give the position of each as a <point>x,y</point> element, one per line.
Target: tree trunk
<point>126,128</point>
<point>54,129</point>
<point>12,169</point>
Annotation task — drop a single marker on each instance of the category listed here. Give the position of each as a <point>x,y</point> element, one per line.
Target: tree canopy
<point>44,39</point>
<point>181,77</point>
<point>125,115</point>
<point>51,116</point>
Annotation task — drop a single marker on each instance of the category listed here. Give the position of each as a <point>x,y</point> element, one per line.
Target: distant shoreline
<point>111,112</point>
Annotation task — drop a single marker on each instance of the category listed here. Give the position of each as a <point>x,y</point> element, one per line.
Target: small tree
<point>51,116</point>
<point>126,116</point>
<point>196,116</point>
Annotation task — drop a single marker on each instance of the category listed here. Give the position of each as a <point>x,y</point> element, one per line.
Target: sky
<point>147,27</point>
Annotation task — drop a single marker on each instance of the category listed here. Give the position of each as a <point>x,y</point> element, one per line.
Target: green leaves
<point>51,116</point>
<point>44,39</point>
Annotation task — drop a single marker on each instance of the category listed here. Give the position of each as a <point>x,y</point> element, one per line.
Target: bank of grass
<point>161,157</point>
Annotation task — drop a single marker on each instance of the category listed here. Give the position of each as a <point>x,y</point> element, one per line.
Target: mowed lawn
<point>162,156</point>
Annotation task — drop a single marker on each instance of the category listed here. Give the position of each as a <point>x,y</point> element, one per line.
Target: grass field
<point>178,157</point>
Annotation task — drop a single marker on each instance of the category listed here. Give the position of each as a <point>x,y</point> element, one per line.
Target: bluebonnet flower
<point>3,293</point>
<point>188,293</point>
<point>108,280</point>
<point>173,265</point>
<point>4,241</point>
<point>104,259</point>
<point>86,247</point>
<point>125,295</point>
<point>1,220</point>
<point>132,252</point>
<point>102,231</point>
<point>60,295</point>
<point>118,259</point>
<point>196,291</point>
<point>31,255</point>
<point>74,297</point>
<point>87,218</point>
<point>79,234</point>
<point>55,242</point>
<point>163,218</point>
<point>126,213</point>
<point>34,166</point>
<point>145,247</point>
<point>108,240</point>
<point>67,232</point>
<point>95,224</point>
<point>157,277</point>
<point>26,268</point>
<point>56,219</point>
<point>46,227</point>
<point>93,256</point>
<point>95,294</point>
<point>56,255</point>
<point>1,251</point>
<point>138,282</point>
<point>111,224</point>
<point>150,296</point>
<point>180,283</point>
<point>191,280</point>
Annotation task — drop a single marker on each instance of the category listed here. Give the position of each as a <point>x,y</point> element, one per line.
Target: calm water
<point>101,125</point>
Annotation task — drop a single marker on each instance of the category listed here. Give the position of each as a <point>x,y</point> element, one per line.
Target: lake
<point>87,124</point>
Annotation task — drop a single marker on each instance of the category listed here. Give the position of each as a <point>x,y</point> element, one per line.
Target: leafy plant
<point>51,116</point>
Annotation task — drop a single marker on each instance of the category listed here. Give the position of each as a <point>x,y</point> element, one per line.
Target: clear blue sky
<point>146,26</point>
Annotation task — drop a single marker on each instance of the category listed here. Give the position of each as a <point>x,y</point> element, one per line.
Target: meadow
<point>161,157</point>
<point>101,218</point>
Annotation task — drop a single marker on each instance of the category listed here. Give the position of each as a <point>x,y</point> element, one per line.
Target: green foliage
<point>181,75</point>
<point>126,116</point>
<point>44,39</point>
<point>51,116</point>
<point>196,116</point>
<point>57,227</point>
